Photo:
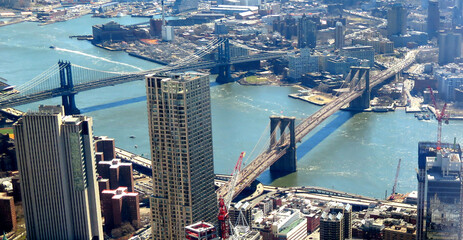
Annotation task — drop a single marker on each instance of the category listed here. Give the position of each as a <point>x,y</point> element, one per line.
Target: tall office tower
<point>449,47</point>
<point>306,33</point>
<point>438,191</point>
<point>433,20</point>
<point>339,36</point>
<point>57,171</point>
<point>179,115</point>
<point>396,20</point>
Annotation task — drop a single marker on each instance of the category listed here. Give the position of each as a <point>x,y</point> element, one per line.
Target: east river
<point>356,153</point>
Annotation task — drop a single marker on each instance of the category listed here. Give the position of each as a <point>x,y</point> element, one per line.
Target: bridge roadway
<point>270,156</point>
<point>16,100</point>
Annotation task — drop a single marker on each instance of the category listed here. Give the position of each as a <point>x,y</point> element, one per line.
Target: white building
<point>299,64</point>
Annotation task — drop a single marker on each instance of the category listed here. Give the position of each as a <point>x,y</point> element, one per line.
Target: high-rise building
<point>339,36</point>
<point>396,20</point>
<point>433,20</point>
<point>336,222</point>
<point>449,47</point>
<point>306,32</point>
<point>439,188</point>
<point>105,148</point>
<point>57,171</point>
<point>120,206</point>
<point>179,119</point>
<point>119,173</point>
<point>331,226</point>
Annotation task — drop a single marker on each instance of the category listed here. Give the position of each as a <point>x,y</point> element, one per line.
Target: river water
<point>356,153</point>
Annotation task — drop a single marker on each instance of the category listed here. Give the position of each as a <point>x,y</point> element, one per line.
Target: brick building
<point>120,206</point>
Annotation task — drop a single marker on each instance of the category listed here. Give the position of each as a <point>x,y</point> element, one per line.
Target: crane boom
<point>439,117</point>
<point>396,178</point>
<point>224,204</point>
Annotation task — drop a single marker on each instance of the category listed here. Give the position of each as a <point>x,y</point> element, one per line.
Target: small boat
<point>136,146</point>
<point>52,47</point>
<point>132,136</point>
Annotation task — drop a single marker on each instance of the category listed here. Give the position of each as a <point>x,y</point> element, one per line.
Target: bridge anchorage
<point>359,79</point>
<point>288,162</point>
<point>67,88</point>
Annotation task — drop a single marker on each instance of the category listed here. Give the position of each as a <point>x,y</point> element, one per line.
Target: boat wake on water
<point>96,57</point>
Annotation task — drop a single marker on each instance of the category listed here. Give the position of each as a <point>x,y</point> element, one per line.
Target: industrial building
<point>180,129</point>
<point>56,162</point>
<point>439,187</point>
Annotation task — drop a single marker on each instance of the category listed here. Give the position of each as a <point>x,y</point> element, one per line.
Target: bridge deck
<point>267,158</point>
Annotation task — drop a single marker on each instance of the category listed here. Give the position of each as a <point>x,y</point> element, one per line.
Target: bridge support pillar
<point>224,74</point>
<point>67,85</point>
<point>225,66</point>
<point>360,78</point>
<point>288,162</point>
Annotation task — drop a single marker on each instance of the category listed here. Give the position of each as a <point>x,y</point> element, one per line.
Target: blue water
<point>356,153</point>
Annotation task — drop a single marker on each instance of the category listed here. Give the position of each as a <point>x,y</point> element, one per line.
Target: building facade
<point>306,32</point>
<point>449,47</point>
<point>119,173</point>
<point>57,175</point>
<point>179,115</point>
<point>433,20</point>
<point>439,188</point>
<point>396,20</point>
<point>8,213</point>
<point>119,206</point>
<point>339,36</point>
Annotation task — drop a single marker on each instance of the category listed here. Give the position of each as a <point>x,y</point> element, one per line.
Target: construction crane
<point>439,117</point>
<point>395,180</point>
<point>224,204</point>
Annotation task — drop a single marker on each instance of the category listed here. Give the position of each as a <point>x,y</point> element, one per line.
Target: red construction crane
<point>395,180</point>
<point>439,117</point>
<point>224,203</point>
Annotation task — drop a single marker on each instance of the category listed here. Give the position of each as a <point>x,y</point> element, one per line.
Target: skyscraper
<point>179,115</point>
<point>339,36</point>
<point>58,180</point>
<point>396,20</point>
<point>433,20</point>
<point>439,187</point>
<point>306,32</point>
<point>449,47</point>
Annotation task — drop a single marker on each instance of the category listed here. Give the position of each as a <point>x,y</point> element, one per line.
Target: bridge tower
<point>288,162</point>
<point>67,86</point>
<point>224,63</point>
<point>359,79</point>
